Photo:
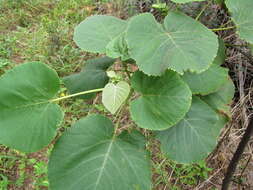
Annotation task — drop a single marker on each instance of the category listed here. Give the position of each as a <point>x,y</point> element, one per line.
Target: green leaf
<point>92,76</point>
<point>221,55</point>
<point>89,157</point>
<point>221,100</point>
<point>118,48</point>
<point>95,32</point>
<point>28,119</point>
<point>113,95</point>
<point>195,136</point>
<point>242,16</point>
<point>208,81</point>
<point>180,44</point>
<point>185,1</point>
<point>164,100</point>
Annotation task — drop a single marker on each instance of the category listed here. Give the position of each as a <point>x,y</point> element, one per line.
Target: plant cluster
<point>183,97</point>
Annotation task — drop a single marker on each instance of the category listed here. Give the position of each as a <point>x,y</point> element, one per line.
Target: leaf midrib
<point>104,163</point>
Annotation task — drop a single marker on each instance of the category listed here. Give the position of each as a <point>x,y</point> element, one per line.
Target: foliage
<point>242,17</point>
<point>115,95</point>
<point>24,96</point>
<point>197,132</point>
<point>172,97</point>
<point>96,156</point>
<point>164,100</point>
<point>91,77</point>
<point>169,44</point>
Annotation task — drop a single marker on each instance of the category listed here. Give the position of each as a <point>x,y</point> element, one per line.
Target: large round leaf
<point>164,100</point>
<point>208,81</point>
<point>221,100</point>
<point>242,15</point>
<point>181,44</point>
<point>194,136</point>
<point>89,157</point>
<point>95,32</point>
<point>28,121</point>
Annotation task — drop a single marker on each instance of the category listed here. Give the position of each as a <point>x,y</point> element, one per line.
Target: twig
<point>237,155</point>
<point>244,168</point>
<point>248,56</point>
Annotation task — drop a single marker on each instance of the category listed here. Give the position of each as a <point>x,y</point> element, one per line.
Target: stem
<point>237,155</point>
<point>117,123</point>
<point>126,70</point>
<point>226,28</point>
<point>77,94</point>
<point>201,12</point>
<point>235,45</point>
<point>118,114</point>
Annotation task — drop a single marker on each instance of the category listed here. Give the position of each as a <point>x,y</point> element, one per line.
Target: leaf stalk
<point>220,29</point>
<point>77,94</point>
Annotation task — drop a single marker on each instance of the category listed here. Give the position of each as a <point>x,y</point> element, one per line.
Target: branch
<point>237,155</point>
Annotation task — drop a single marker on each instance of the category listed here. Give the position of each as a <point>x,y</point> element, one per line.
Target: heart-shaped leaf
<point>208,81</point>
<point>28,120</point>
<point>89,157</point>
<point>221,100</point>
<point>113,95</point>
<point>242,15</point>
<point>164,100</point>
<point>95,32</point>
<point>180,44</point>
<point>92,76</point>
<point>195,136</point>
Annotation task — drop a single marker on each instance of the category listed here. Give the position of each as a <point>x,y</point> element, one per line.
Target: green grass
<point>42,30</point>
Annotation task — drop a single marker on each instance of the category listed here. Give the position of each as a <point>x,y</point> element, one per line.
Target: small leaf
<point>28,120</point>
<point>208,81</point>
<point>195,136</point>
<point>118,48</point>
<point>92,76</point>
<point>164,100</point>
<point>95,32</point>
<point>221,100</point>
<point>89,157</point>
<point>242,16</point>
<point>180,44</point>
<point>113,96</point>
